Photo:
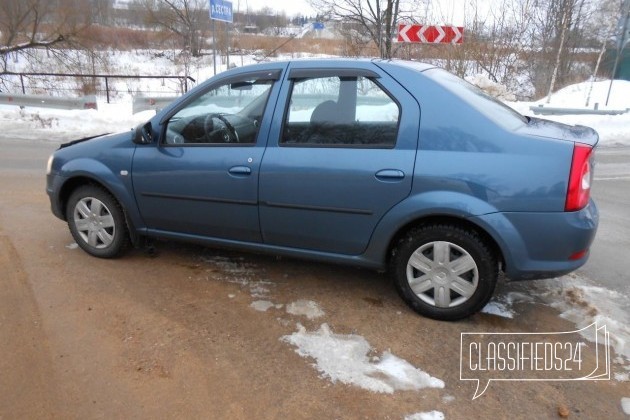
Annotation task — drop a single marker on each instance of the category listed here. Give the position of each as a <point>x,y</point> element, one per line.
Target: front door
<point>202,177</point>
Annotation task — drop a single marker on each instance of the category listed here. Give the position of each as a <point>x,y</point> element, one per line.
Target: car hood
<point>554,130</point>
<point>81,140</point>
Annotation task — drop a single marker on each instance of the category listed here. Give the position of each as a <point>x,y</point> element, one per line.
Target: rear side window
<point>340,112</point>
<point>494,109</point>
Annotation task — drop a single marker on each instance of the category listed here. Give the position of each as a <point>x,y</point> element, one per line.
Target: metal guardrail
<point>147,103</point>
<point>548,110</point>
<point>86,102</point>
<point>107,77</point>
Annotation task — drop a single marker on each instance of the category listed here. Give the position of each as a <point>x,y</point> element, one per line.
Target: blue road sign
<point>221,10</point>
<point>318,26</point>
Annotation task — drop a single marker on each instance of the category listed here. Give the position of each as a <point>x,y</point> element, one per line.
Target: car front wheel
<point>444,272</point>
<point>97,222</point>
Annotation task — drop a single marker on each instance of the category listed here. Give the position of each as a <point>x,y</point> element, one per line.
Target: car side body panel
<point>457,163</point>
<point>105,161</point>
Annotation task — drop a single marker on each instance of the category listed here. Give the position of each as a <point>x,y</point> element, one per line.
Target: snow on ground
<point>613,129</point>
<point>502,304</point>
<point>429,415</point>
<point>306,308</point>
<point>582,303</point>
<point>575,96</point>
<point>578,301</point>
<point>625,405</point>
<point>498,309</point>
<point>262,305</point>
<point>345,358</point>
<point>497,90</point>
<point>61,125</point>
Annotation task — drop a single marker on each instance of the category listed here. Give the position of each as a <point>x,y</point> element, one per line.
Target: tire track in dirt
<point>27,388</point>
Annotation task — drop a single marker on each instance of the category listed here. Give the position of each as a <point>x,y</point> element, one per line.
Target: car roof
<point>331,61</point>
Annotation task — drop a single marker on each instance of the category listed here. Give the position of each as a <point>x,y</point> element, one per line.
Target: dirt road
<point>175,335</point>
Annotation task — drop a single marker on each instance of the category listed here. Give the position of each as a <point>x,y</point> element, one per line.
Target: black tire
<point>443,251</point>
<point>97,222</point>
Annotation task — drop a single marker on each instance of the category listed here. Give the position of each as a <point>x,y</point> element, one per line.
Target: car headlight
<point>49,164</point>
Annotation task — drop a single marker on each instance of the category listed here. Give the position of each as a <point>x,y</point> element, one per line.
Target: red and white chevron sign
<point>430,34</point>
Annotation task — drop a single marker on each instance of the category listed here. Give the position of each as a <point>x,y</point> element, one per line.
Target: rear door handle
<point>240,170</point>
<point>390,175</point>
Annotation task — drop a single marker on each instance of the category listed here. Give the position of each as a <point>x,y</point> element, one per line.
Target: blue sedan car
<point>382,164</point>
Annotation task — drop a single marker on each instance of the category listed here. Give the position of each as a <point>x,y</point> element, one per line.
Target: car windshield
<point>491,107</point>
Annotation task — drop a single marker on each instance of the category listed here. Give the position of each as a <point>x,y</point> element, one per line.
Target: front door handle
<point>390,175</point>
<point>240,170</point>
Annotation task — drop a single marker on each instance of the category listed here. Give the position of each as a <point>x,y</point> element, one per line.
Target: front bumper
<point>53,189</point>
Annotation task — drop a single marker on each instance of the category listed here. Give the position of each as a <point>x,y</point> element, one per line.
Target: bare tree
<point>30,24</point>
<point>101,11</point>
<point>377,17</point>
<point>556,33</point>
<point>187,19</point>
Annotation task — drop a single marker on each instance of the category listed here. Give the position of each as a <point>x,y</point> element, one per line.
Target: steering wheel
<point>227,132</point>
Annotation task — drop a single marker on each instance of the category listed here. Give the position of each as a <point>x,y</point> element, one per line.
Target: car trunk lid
<point>554,130</point>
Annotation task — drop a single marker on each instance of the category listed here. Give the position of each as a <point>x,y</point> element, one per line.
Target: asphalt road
<point>176,335</point>
<point>609,265</point>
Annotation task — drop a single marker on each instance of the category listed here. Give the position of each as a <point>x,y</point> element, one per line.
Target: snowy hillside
<point>612,129</point>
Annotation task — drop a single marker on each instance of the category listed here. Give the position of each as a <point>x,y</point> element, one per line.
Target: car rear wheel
<point>97,222</point>
<point>444,272</point>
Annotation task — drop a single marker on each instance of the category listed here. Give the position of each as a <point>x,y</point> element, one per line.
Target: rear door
<point>340,154</point>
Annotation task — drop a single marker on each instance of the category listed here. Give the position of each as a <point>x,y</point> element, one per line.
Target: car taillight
<point>580,178</point>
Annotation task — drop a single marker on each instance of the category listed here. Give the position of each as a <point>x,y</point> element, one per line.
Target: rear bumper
<point>542,245</point>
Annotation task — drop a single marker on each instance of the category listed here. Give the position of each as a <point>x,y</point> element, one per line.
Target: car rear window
<point>492,108</point>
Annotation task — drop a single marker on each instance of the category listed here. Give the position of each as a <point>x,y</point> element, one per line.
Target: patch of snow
<point>621,377</point>
<point>574,96</point>
<point>257,290</point>
<point>625,405</point>
<point>502,304</point>
<point>499,309</point>
<point>73,245</point>
<point>235,272</point>
<point>429,415</point>
<point>262,305</point>
<point>61,125</point>
<point>344,358</point>
<point>613,130</point>
<point>582,303</point>
<point>494,89</point>
<point>229,266</point>
<point>447,399</point>
<point>231,295</point>
<point>306,308</point>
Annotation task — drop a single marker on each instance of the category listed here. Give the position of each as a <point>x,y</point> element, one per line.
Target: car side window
<point>340,112</point>
<point>228,114</point>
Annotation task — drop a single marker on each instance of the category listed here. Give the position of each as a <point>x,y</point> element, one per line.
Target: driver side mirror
<point>143,134</point>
